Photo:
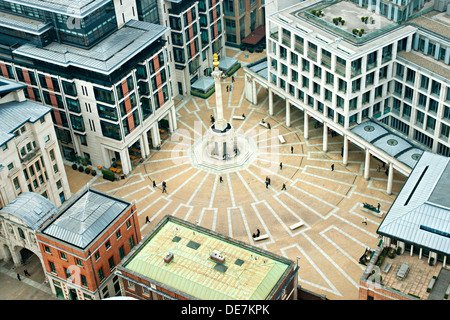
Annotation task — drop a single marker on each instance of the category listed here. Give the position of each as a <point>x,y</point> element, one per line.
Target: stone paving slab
<point>332,238</point>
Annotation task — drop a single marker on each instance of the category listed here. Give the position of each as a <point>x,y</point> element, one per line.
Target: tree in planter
<point>87,170</point>
<point>81,168</point>
<point>391,253</point>
<point>94,172</point>
<point>355,31</point>
<point>342,22</point>
<point>74,166</point>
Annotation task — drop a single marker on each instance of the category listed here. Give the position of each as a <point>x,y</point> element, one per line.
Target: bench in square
<point>297,225</point>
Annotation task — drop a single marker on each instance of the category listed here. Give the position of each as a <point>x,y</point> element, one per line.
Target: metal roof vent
<point>217,256</point>
<point>168,257</point>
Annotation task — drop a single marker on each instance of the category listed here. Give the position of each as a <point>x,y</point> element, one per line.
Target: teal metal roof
<point>245,274</point>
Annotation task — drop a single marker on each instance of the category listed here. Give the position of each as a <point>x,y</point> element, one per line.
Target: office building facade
<point>241,18</point>
<point>197,33</point>
<point>109,87</point>
<point>395,74</point>
<point>30,160</point>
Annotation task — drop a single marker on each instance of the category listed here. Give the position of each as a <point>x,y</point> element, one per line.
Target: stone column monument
<point>222,149</point>
<point>222,141</point>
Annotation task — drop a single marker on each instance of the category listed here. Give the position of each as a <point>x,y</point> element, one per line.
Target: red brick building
<point>82,244</point>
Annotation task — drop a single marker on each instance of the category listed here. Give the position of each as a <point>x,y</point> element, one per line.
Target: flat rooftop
<point>423,61</point>
<point>351,13</point>
<point>417,280</point>
<point>69,7</point>
<point>438,22</point>
<point>84,217</point>
<point>340,36</point>
<point>248,273</point>
<point>105,57</point>
<point>23,23</point>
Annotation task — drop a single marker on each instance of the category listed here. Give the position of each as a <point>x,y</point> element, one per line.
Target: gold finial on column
<point>216,61</point>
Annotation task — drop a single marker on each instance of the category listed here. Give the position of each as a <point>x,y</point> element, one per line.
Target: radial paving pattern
<point>332,237</point>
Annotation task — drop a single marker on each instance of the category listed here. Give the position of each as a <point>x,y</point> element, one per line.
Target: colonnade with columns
<point>251,95</point>
<point>153,129</point>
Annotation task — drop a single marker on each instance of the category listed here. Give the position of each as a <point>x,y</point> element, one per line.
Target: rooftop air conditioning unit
<point>216,256</point>
<point>168,257</point>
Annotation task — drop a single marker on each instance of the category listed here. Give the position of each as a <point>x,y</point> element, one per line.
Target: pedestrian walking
<point>243,115</point>
<point>154,183</point>
<point>25,272</point>
<point>267,184</point>
<point>268,125</point>
<point>231,87</point>
<point>220,179</point>
<point>232,78</point>
<point>281,165</point>
<point>332,167</point>
<point>365,221</point>
<point>292,149</point>
<point>18,277</point>
<point>227,88</point>
<point>257,232</point>
<point>283,187</point>
<point>164,187</point>
<point>147,220</point>
<point>379,206</point>
<point>268,180</point>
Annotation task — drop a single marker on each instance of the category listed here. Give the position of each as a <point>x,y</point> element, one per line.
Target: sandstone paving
<point>328,203</point>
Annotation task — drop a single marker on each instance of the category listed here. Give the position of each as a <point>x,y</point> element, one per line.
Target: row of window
<point>312,50</point>
<point>100,272</point>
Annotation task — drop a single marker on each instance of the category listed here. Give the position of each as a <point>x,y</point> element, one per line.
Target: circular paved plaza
<point>327,203</point>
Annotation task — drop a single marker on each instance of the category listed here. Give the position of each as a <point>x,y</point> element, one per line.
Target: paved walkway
<point>327,202</point>
<point>28,288</point>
